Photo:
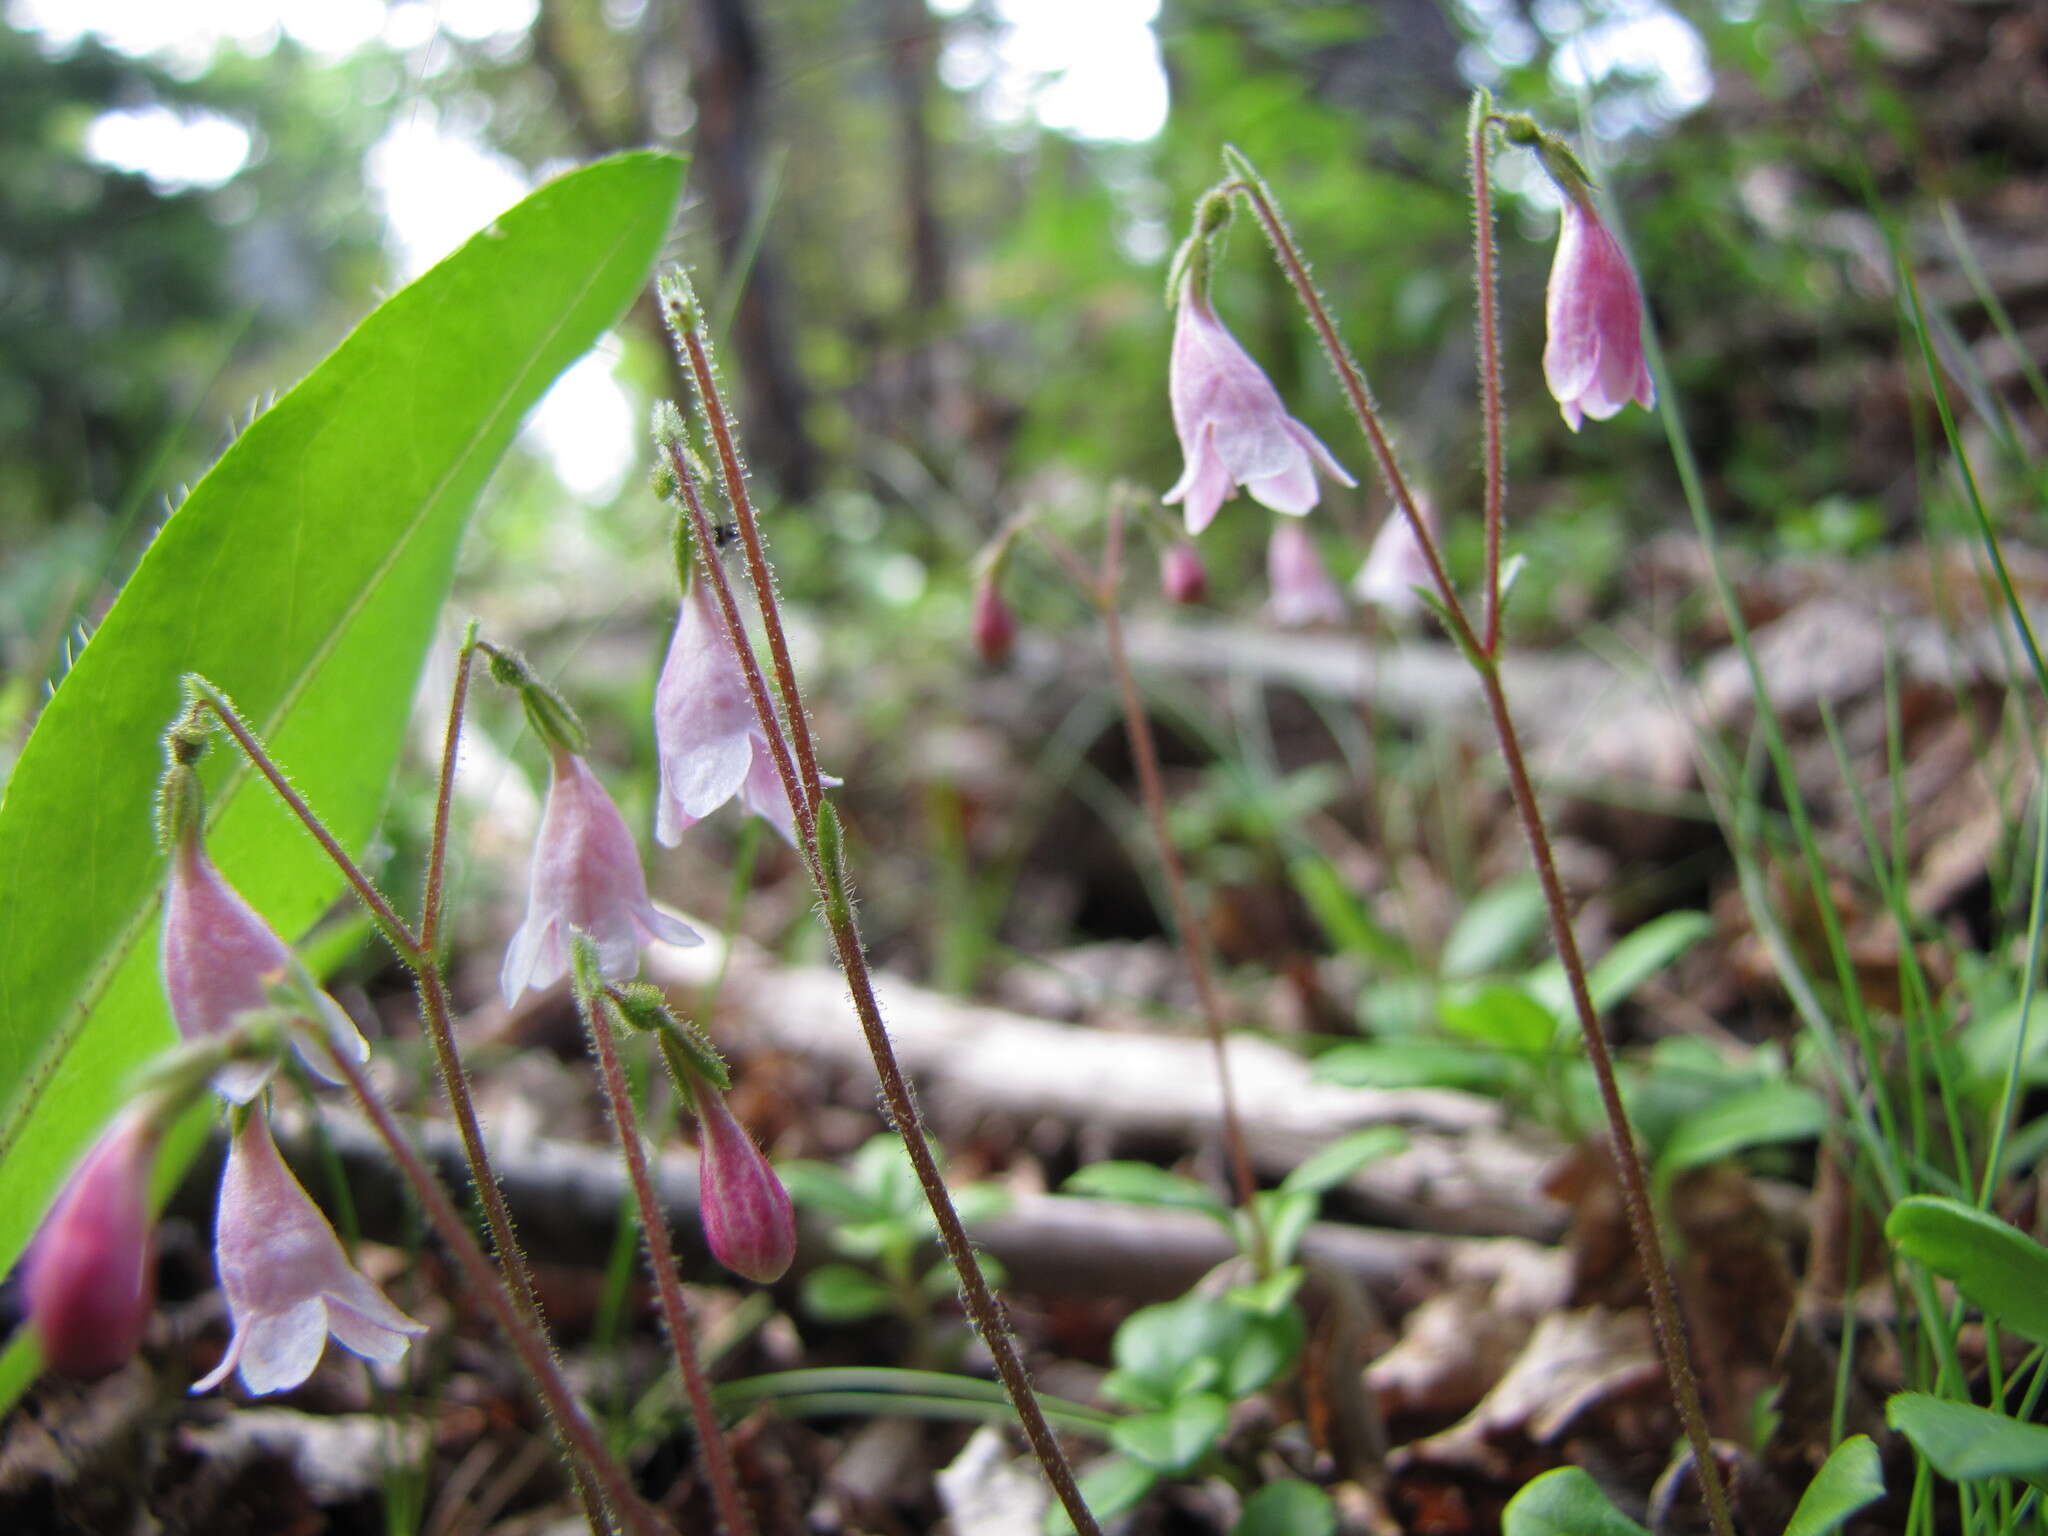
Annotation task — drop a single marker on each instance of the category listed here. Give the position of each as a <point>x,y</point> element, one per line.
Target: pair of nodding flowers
<point>1235,431</point>
<point>587,877</point>
<point>289,1285</point>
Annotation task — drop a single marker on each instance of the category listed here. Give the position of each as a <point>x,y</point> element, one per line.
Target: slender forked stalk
<point>1492,409</point>
<point>421,955</point>
<point>732,1509</point>
<point>802,783</point>
<point>570,1419</point>
<point>1194,942</point>
<point>1485,660</point>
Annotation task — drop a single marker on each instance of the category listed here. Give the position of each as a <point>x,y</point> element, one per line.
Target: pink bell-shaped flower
<point>993,624</point>
<point>1303,590</point>
<point>220,959</point>
<point>1593,360</point>
<point>587,876</point>
<point>288,1283</point>
<point>748,1219</point>
<point>1232,426</point>
<point>706,733</point>
<point>1395,566</point>
<point>87,1281</point>
<point>1182,576</point>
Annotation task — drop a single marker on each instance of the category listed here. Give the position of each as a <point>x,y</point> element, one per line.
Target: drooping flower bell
<point>748,1219</point>
<point>288,1283</point>
<point>587,876</point>
<point>1303,589</point>
<point>706,733</point>
<point>1395,565</point>
<point>1233,429</point>
<point>87,1280</point>
<point>993,623</point>
<point>220,960</point>
<point>1182,576</point>
<point>1593,359</point>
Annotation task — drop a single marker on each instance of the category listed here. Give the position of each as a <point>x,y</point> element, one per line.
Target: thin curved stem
<point>1194,942</point>
<point>1492,409</point>
<point>491,1289</point>
<point>444,796</point>
<point>804,787</point>
<point>436,1016</point>
<point>1669,1325</point>
<point>675,1309</point>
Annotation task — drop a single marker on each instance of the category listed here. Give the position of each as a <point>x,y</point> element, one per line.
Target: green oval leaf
<point>305,575</point>
<point>1565,1502</point>
<point>1109,1488</point>
<point>1995,1266</point>
<point>1143,1184</point>
<point>1288,1507</point>
<point>1964,1442</point>
<point>1850,1478</point>
<point>1175,1437</point>
<point>1762,1115</point>
<point>839,1293</point>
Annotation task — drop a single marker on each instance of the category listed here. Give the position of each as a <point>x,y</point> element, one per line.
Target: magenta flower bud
<point>587,876</point>
<point>220,959</point>
<point>1303,591</point>
<point>288,1283</point>
<point>87,1283</point>
<point>706,734</point>
<point>993,624</point>
<point>1232,427</point>
<point>1182,576</point>
<point>748,1219</point>
<point>1395,566</point>
<point>1593,360</point>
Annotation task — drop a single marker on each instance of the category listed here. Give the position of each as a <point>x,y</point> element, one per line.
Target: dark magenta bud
<point>748,1219</point>
<point>994,625</point>
<point>1182,576</point>
<point>88,1282</point>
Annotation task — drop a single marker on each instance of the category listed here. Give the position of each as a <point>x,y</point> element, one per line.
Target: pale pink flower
<point>220,959</point>
<point>1232,426</point>
<point>1182,576</point>
<point>993,624</point>
<point>87,1282</point>
<point>1303,591</point>
<point>1395,566</point>
<point>288,1283</point>
<point>748,1219</point>
<point>706,733</point>
<point>586,877</point>
<point>1593,360</point>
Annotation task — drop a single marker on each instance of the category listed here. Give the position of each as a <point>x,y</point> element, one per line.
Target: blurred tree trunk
<point>729,80</point>
<point>909,35</point>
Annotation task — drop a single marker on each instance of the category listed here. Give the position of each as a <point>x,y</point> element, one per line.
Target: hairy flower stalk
<point>1485,659</point>
<point>588,1463</point>
<point>797,767</point>
<point>599,1012</point>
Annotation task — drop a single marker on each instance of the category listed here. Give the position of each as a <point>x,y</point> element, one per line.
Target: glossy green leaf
<point>1996,1266</point>
<point>1762,1115</point>
<point>1143,1184</point>
<point>1288,1507</point>
<point>1345,918</point>
<point>1156,1348</point>
<point>1964,1442</point>
<point>1501,923</point>
<point>839,1293</point>
<point>1565,1502</point>
<point>305,575</point>
<point>1642,954</point>
<point>1413,1064</point>
<point>1850,1478</point>
<point>1110,1488</point>
<point>1173,1438</point>
<point>1504,1016</point>
<point>1263,1352</point>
